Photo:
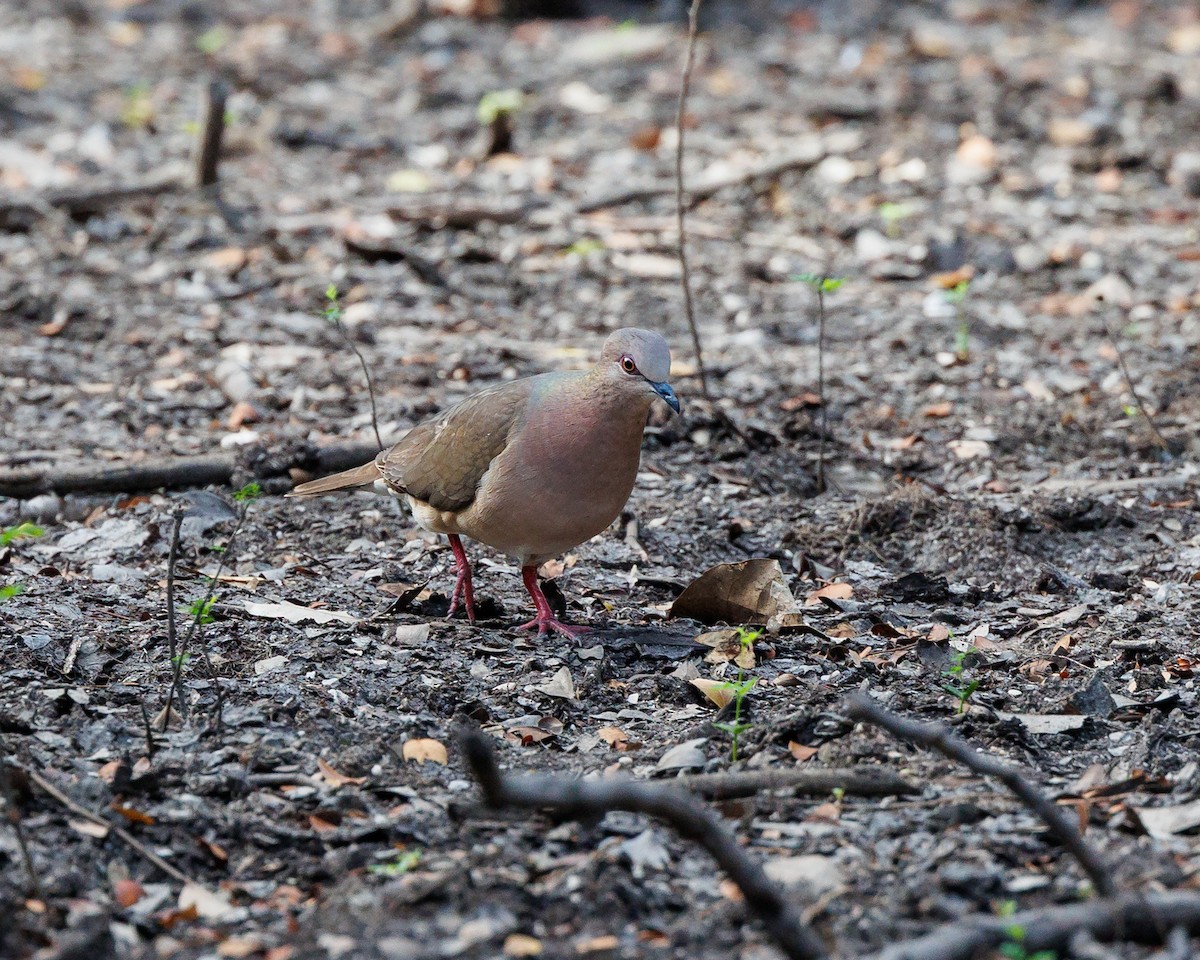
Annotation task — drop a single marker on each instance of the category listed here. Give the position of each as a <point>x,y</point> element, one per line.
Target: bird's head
<point>639,361</point>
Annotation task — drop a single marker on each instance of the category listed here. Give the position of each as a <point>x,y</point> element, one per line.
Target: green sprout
<point>891,214</point>
<point>822,284</point>
<point>957,295</point>
<point>740,688</point>
<point>10,590</point>
<point>26,529</point>
<point>211,41</point>
<point>201,610</point>
<point>956,687</point>
<point>398,866</point>
<point>137,113</point>
<point>497,103</point>
<point>1014,948</point>
<point>249,493</point>
<point>584,246</point>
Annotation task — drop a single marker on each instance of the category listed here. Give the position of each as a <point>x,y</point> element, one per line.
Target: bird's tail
<point>362,476</point>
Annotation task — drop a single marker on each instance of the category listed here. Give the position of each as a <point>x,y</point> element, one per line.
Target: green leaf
<point>1013,951</point>
<point>26,529</point>
<point>894,212</point>
<point>819,281</point>
<point>249,493</point>
<point>211,41</point>
<point>495,102</point>
<point>201,610</point>
<point>397,867</point>
<point>8,591</point>
<point>331,292</point>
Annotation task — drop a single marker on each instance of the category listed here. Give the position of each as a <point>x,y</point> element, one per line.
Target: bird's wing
<point>441,461</point>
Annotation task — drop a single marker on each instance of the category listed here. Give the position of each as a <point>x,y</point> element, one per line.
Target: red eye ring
<point>627,364</point>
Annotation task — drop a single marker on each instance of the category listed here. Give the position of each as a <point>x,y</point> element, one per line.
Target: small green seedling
<point>1014,947</point>
<point>497,103</point>
<point>201,610</point>
<point>740,688</point>
<point>892,214</point>
<point>398,866</point>
<point>10,590</point>
<point>822,284</point>
<point>584,246</point>
<point>248,494</point>
<point>957,687</point>
<point>137,113</point>
<point>211,41</point>
<point>20,531</point>
<point>333,312</point>
<point>957,295</point>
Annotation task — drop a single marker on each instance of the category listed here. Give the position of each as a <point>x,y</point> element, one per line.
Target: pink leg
<point>545,619</point>
<point>462,581</point>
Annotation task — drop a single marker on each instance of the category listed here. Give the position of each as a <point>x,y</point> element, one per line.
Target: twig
<point>690,818</point>
<point>81,201</point>
<point>1158,437</point>
<point>121,832</point>
<point>172,560</point>
<point>72,654</point>
<point>1137,918</point>
<point>821,386</point>
<point>802,158</point>
<point>862,782</point>
<point>936,737</point>
<point>212,129</point>
<point>171,472</point>
<point>685,275</point>
<point>14,817</point>
<point>334,313</point>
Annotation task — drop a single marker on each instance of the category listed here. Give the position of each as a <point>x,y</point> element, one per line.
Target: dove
<point>532,467</point>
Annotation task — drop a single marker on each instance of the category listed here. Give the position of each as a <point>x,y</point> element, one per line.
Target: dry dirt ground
<point>1000,514</point>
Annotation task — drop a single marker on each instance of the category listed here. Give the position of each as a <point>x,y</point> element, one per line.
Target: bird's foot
<point>464,589</point>
<point>546,623</point>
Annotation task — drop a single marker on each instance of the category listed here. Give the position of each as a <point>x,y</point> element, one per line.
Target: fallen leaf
<point>684,755</point>
<point>335,779</point>
<point>521,945</point>
<point>237,947</point>
<point>716,690</point>
<point>1163,822</point>
<point>936,411</point>
<point>132,815</point>
<point>88,828</point>
<point>424,749</point>
<point>615,737</point>
<point>560,685</point>
<point>801,752</point>
<point>751,591</point>
<point>127,892</point>
<point>294,613</point>
<point>320,824</point>
<point>834,591</point>
<point>597,944</point>
<point>727,647</point>
<point>208,904</point>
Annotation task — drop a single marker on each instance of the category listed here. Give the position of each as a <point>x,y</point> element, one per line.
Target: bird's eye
<point>628,365</point>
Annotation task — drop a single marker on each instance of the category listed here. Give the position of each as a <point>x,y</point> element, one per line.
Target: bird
<point>532,467</point>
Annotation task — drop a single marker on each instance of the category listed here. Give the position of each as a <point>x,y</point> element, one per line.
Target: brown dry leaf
<point>335,779</point>
<point>169,918</point>
<point>751,591</point>
<point>830,812</point>
<point>801,752</point>
<point>716,690</point>
<point>132,815</point>
<point>938,633</point>
<point>425,750</point>
<point>1065,642</point>
<point>108,772</point>
<point>727,648</point>
<point>239,947</point>
<point>526,736</point>
<point>834,591</point>
<point>217,851</point>
<point>615,737</point>
<point>937,411</point>
<point>127,892</point>
<point>522,945</point>
<point>320,824</point>
<point>948,281</point>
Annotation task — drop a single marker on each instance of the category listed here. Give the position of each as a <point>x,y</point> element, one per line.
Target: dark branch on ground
<point>691,819</point>
<point>936,737</point>
<point>863,782</point>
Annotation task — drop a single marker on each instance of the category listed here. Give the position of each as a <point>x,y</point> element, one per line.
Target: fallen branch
<point>689,817</point>
<point>936,737</point>
<point>801,159</point>
<point>1131,918</point>
<point>171,472</point>
<point>1137,400</point>
<point>80,811</point>
<point>685,272</point>
<point>9,795</point>
<point>863,782</point>
<point>20,212</point>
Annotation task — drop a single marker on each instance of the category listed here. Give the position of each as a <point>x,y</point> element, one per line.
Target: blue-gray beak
<point>664,390</point>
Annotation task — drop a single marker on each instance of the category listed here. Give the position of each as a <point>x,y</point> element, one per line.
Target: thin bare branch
<point>1137,400</point>
<point>936,737</point>
<point>211,131</point>
<point>685,274</point>
<point>862,782</point>
<point>691,819</point>
<point>14,817</point>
